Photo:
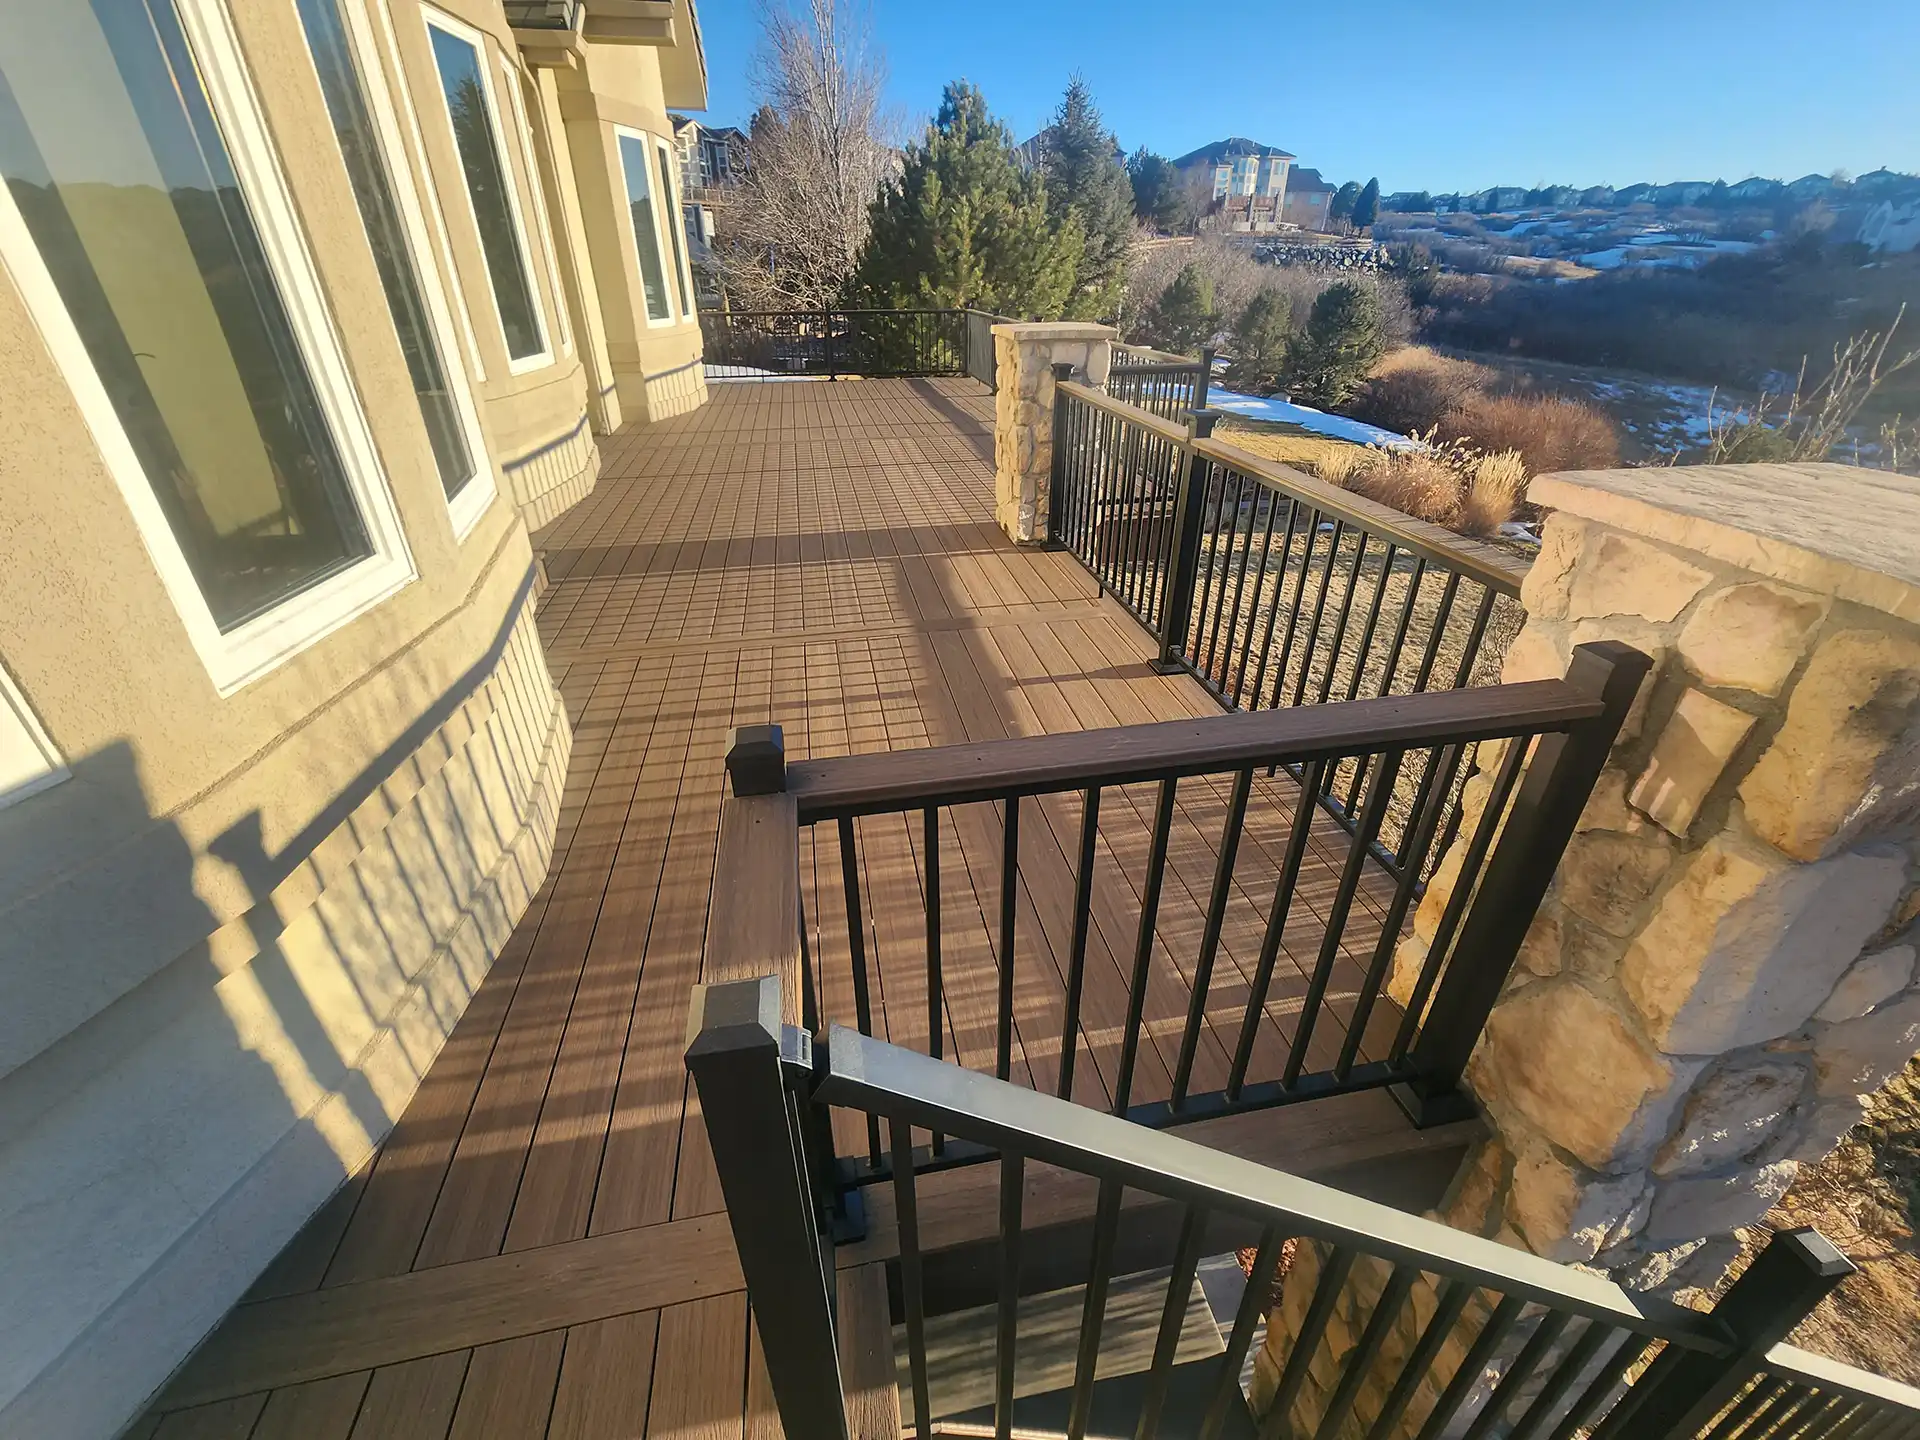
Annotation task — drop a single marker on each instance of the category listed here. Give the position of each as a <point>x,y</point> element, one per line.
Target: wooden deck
<point>540,1248</point>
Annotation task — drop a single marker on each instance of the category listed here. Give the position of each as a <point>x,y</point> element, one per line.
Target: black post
<point>735,1060</point>
<point>1057,466</point>
<point>1558,781</point>
<point>1684,1389</point>
<point>1205,381</point>
<point>757,760</point>
<point>826,343</point>
<point>1188,508</point>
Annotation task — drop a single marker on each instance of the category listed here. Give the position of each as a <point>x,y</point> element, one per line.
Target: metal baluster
<point>1279,594</point>
<point>1009,904</point>
<point>1386,1310</point>
<point>1319,611</point>
<point>1468,1375</point>
<point>1143,946</point>
<point>912,1288</point>
<point>857,955</point>
<point>1313,1328</point>
<point>1173,1315</point>
<point>1226,572</point>
<point>1299,601</point>
<point>1453,1298</point>
<point>1204,581</point>
<point>1357,855</point>
<point>1537,1348</point>
<point>1387,675</point>
<point>1239,590</point>
<point>1093,1313</point>
<point>1439,633</point>
<point>1373,621</point>
<point>936,986</point>
<point>1210,936</point>
<point>1565,1375</point>
<point>1077,956</point>
<point>1425,822</point>
<point>1632,1347</point>
<point>1346,611</point>
<point>1505,778</point>
<point>1259,588</point>
<point>1253,1309</point>
<point>1283,892</point>
<point>1012,1192</point>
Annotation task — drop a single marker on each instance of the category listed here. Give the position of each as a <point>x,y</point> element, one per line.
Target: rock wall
<point>1023,414</point>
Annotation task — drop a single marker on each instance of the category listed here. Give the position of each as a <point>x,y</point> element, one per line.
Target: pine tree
<point>1260,341</point>
<point>964,224</point>
<point>1156,190</point>
<point>1327,363</point>
<point>1183,318</point>
<point>1086,182</point>
<point>1342,206</point>
<point>1366,208</point>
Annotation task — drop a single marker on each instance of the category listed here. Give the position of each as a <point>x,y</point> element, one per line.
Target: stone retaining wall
<point>1024,357</point>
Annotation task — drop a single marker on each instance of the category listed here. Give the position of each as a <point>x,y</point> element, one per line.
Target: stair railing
<point>1543,1349</point>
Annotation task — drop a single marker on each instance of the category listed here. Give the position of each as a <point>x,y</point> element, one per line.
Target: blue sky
<point>1423,93</point>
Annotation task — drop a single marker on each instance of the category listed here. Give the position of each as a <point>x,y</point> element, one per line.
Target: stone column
<point>1023,413</point>
<point>1725,966</point>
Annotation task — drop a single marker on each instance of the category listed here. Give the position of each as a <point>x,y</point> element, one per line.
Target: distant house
<point>1811,187</point>
<point>1880,184</point>
<point>1499,197</point>
<point>1308,202</point>
<point>1246,182</point>
<point>1640,194</point>
<point>1599,197</point>
<point>1755,188</point>
<point>1682,192</point>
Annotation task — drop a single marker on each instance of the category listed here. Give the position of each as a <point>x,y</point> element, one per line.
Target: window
<point>145,225</point>
<point>524,133</point>
<point>446,408</point>
<point>496,209</point>
<point>646,232</point>
<point>680,272</point>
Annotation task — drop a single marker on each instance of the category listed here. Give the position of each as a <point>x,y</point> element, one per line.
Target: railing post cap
<point>757,759</point>
<point>734,1015</point>
<point>1200,423</point>
<point>1062,370</point>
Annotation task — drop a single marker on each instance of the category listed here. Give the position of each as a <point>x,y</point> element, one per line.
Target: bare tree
<point>817,155</point>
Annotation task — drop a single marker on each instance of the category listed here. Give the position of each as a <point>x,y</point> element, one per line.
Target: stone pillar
<point>1725,966</point>
<point>1024,356</point>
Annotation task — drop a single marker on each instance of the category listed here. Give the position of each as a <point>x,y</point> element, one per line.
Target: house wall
<point>237,931</point>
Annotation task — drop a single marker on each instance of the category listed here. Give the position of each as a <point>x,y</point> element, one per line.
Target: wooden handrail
<point>957,774</point>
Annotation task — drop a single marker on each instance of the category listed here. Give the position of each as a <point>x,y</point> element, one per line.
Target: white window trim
<point>477,492</point>
<point>677,243</point>
<point>463,310</point>
<point>540,359</point>
<point>537,185</point>
<point>646,143</point>
<point>241,655</point>
<point>22,738</point>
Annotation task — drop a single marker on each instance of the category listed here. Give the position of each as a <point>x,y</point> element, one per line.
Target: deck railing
<point>1314,1036</point>
<point>1516,1345</point>
<point>1274,588</point>
<point>760,344</point>
<point>1163,384</point>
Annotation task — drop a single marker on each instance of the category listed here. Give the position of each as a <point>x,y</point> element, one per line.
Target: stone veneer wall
<point>1023,414</point>
<point>1725,966</point>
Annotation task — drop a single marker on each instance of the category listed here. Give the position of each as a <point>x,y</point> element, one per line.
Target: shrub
<point>1412,389</point>
<point>1550,432</point>
<point>1184,318</point>
<point>1447,483</point>
<point>1260,338</point>
<point>1328,362</point>
<point>1494,492</point>
<point>1419,482</point>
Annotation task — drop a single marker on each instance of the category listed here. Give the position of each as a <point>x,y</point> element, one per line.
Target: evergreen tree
<point>1087,183</point>
<point>1328,362</point>
<point>1183,319</point>
<point>1156,190</point>
<point>1260,340</point>
<point>964,224</point>
<point>1366,208</point>
<point>1343,198</point>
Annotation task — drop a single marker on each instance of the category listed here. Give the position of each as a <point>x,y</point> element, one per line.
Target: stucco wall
<point>233,941</point>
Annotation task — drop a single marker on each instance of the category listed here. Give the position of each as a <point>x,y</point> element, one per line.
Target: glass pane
<point>112,155</point>
<point>486,172</point>
<point>646,235</point>
<point>679,255</point>
<point>380,213</point>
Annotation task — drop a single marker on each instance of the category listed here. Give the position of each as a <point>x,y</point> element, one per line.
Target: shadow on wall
<point>157,1157</point>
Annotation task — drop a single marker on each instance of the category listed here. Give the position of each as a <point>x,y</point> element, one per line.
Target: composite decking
<point>539,1248</point>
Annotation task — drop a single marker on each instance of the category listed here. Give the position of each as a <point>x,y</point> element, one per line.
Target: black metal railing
<point>761,344</point>
<point>1159,383</point>
<point>1500,1341</point>
<point>982,356</point>
<point>1271,587</point>
<point>1298,1014</point>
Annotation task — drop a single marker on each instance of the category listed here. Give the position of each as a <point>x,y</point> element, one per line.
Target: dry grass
<point>1412,388</point>
<point>1288,444</point>
<point>1550,432</point>
<point>1450,484</point>
<point>1494,494</point>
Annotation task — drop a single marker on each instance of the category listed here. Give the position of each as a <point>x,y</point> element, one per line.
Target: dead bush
<point>1449,483</point>
<point>1413,388</point>
<point>1418,482</point>
<point>1550,432</point>
<point>1494,492</point>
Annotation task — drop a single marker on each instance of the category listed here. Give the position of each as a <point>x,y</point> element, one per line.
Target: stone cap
<point>1057,330</point>
<point>1838,529</point>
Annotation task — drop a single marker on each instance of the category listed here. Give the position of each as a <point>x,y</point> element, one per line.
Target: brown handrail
<point>957,774</point>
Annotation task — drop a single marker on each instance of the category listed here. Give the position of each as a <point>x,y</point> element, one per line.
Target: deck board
<point>535,1250</point>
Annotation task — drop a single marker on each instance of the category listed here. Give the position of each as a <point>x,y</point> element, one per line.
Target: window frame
<point>22,733</point>
<point>537,186</point>
<point>646,140</point>
<point>672,213</point>
<point>478,491</point>
<point>237,657</point>
<point>467,35</point>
